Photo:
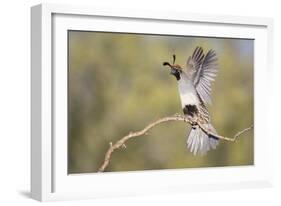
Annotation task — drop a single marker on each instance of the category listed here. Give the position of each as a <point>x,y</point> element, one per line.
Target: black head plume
<point>166,64</point>
<point>175,69</point>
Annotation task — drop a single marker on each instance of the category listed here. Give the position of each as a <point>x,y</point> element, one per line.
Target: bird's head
<point>176,70</point>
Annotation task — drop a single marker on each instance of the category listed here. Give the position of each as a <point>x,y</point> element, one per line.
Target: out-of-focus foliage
<point>117,84</point>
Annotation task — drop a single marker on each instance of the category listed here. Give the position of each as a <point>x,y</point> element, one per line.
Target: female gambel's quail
<point>194,84</point>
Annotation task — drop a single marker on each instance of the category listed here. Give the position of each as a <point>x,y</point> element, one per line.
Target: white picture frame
<point>49,178</point>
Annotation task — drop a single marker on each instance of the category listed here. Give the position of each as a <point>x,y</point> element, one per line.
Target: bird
<point>194,86</point>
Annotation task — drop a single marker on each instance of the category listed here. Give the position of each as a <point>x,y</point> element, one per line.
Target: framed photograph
<point>137,102</point>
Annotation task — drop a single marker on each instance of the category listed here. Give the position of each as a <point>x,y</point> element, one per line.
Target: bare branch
<point>121,142</point>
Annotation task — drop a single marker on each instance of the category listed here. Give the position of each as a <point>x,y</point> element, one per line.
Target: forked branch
<point>123,140</point>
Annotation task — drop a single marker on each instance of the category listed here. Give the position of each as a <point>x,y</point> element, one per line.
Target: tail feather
<point>199,142</point>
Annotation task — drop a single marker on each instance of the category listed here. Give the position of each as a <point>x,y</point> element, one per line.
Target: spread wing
<point>203,70</point>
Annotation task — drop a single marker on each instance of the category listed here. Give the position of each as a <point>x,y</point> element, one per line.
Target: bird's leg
<point>193,120</point>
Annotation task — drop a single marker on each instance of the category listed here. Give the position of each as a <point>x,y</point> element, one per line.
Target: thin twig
<point>121,142</point>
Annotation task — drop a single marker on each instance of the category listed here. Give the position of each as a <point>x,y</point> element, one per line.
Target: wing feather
<point>203,70</point>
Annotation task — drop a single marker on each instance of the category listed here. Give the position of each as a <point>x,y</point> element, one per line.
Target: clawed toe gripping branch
<point>176,117</point>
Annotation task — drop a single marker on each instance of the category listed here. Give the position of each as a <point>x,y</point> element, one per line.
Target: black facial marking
<point>176,73</point>
<point>190,110</point>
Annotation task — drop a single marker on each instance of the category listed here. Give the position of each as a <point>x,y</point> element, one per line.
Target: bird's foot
<point>193,125</point>
<point>193,122</point>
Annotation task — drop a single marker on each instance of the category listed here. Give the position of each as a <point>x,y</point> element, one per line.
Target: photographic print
<point>141,102</point>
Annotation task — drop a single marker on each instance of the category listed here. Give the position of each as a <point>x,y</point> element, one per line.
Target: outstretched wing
<point>195,61</point>
<point>203,71</point>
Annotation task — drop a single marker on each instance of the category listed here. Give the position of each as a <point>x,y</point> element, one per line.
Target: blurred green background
<point>117,84</point>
